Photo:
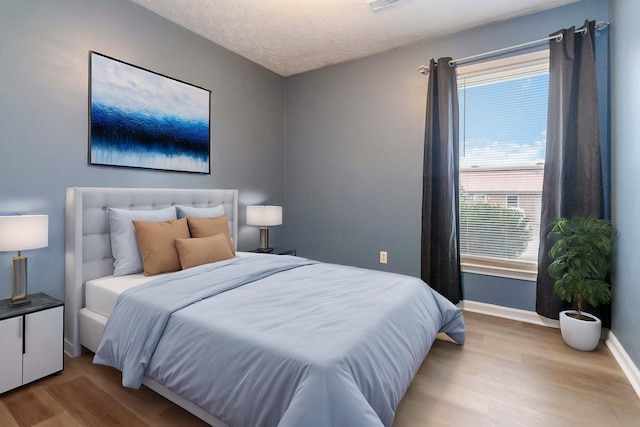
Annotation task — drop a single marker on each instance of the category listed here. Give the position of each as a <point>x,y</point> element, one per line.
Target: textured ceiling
<point>294,36</point>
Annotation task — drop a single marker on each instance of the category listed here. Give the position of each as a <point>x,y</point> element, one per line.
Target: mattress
<point>101,294</point>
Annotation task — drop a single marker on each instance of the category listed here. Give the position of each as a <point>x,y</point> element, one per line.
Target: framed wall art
<point>142,119</point>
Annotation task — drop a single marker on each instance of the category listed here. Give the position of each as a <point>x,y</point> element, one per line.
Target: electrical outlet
<point>383,257</point>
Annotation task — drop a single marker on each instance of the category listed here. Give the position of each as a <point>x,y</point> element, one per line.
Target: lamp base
<point>265,250</point>
<point>19,281</point>
<point>264,240</point>
<point>18,303</point>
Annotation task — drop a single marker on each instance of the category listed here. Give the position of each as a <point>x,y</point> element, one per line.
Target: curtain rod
<point>599,26</point>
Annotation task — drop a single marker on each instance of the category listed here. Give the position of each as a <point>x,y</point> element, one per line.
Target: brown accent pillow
<point>156,244</point>
<point>203,250</point>
<point>206,227</point>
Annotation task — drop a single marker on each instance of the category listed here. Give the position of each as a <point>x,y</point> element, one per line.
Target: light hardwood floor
<point>507,374</point>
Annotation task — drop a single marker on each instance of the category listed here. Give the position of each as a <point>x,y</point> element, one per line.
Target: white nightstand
<point>31,340</point>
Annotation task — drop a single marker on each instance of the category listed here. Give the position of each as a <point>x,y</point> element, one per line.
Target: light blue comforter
<point>263,340</point>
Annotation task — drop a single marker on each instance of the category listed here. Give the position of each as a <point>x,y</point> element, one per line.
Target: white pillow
<point>124,246</point>
<point>212,212</point>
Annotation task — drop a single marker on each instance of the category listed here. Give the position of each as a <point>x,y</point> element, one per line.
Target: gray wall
<point>354,147</point>
<point>626,173</point>
<point>43,115</point>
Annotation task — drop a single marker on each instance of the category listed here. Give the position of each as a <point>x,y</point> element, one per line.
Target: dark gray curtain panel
<point>440,248</point>
<point>572,183</point>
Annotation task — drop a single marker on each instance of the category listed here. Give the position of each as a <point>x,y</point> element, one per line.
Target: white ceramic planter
<point>580,334</point>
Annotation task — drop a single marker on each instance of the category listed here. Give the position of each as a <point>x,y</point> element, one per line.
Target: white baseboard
<point>68,348</point>
<point>509,313</point>
<point>629,368</point>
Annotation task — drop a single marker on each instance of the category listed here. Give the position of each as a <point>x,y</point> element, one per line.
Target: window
<point>503,122</point>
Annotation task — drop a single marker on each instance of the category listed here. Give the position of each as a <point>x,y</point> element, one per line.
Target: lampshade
<point>23,232</point>
<point>264,215</point>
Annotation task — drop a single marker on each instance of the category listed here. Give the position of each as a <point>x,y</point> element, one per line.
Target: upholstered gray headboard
<point>88,243</point>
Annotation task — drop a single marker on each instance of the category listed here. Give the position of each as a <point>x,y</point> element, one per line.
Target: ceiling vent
<point>381,4</point>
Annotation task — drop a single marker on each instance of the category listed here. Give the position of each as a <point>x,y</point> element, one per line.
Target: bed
<point>253,340</point>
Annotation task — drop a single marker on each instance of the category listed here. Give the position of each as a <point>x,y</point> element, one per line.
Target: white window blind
<point>503,121</point>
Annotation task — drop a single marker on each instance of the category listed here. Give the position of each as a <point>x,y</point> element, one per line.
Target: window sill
<point>510,272</point>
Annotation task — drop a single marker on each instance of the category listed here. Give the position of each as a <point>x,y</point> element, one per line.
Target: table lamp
<point>21,233</point>
<point>264,216</point>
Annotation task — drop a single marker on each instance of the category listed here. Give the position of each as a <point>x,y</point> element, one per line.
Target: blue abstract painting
<point>146,120</point>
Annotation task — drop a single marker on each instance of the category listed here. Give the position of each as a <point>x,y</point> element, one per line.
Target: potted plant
<point>581,264</point>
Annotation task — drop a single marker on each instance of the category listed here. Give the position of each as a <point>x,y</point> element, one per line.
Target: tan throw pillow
<point>207,227</point>
<point>156,241</point>
<point>203,250</point>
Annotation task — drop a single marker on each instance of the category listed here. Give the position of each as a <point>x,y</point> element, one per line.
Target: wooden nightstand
<point>277,251</point>
<point>31,340</point>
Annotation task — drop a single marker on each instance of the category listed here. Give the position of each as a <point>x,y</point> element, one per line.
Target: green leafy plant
<point>582,260</point>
